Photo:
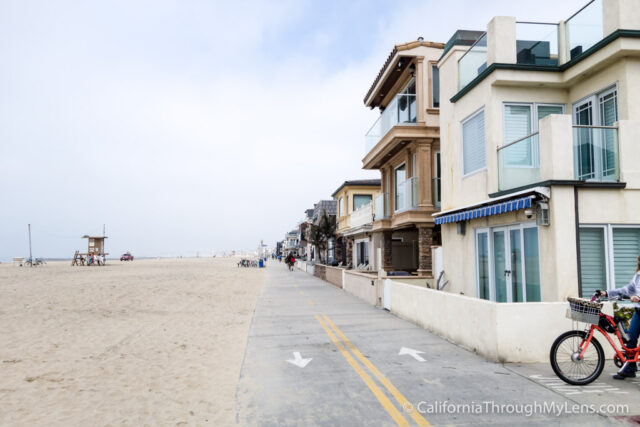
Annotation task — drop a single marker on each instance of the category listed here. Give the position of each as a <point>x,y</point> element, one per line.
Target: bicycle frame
<point>632,353</point>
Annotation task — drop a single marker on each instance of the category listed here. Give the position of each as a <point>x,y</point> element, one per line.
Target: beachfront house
<point>540,158</point>
<point>291,243</point>
<point>304,247</point>
<point>355,204</point>
<point>328,207</point>
<point>404,145</point>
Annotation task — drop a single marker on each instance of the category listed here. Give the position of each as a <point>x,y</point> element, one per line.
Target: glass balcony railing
<point>519,163</point>
<point>402,110</point>
<point>536,43</point>
<point>381,207</point>
<point>595,153</point>
<point>435,191</point>
<point>473,62</point>
<point>407,195</point>
<point>584,29</point>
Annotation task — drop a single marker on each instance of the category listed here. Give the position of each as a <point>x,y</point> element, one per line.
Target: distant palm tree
<point>320,234</point>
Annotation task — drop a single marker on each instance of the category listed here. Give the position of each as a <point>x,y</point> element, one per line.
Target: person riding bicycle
<point>632,290</point>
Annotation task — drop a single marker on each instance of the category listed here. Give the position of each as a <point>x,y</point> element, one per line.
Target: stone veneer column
<point>387,261</point>
<point>425,241</point>
<point>349,250</point>
<point>338,248</point>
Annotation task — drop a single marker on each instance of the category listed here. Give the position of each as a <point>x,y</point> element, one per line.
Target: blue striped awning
<point>494,209</point>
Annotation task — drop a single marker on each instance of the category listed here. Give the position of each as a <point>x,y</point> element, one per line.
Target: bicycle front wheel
<point>566,362</point>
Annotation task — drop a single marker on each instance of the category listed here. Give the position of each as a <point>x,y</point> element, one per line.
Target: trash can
<point>261,263</point>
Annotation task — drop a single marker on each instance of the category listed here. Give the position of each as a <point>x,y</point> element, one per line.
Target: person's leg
<point>629,369</point>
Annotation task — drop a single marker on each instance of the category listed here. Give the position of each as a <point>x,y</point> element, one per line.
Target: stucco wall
<point>362,285</point>
<point>333,275</point>
<point>521,333</point>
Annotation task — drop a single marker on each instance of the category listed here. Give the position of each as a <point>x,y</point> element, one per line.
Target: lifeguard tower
<point>95,248</point>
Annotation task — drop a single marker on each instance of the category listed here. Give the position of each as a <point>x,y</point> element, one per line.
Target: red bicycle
<point>576,356</point>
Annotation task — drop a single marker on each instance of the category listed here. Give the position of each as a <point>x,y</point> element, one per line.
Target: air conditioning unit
<point>542,214</point>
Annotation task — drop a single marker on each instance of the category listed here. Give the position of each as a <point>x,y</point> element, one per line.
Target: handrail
<point>537,23</point>
<point>579,10</point>
<point>472,46</point>
<point>517,140</point>
<point>594,127</point>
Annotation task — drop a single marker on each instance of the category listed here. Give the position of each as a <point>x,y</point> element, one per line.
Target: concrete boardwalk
<point>357,376</point>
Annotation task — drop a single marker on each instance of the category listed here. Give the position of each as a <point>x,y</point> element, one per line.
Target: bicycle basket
<point>584,311</point>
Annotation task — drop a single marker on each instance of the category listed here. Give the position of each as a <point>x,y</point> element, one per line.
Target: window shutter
<point>626,248</point>
<point>545,110</point>
<point>517,125</point>
<point>473,144</point>
<point>593,266</point>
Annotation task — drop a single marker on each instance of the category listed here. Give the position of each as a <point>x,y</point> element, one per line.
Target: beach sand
<point>156,342</point>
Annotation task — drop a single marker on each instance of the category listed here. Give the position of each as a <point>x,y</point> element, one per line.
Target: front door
<point>509,264</point>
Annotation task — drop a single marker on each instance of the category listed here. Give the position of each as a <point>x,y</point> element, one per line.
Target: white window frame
<point>595,103</point>
<point>535,124</point>
<point>482,169</point>
<point>341,207</point>
<point>395,185</point>
<point>610,274</point>
<point>492,283</point>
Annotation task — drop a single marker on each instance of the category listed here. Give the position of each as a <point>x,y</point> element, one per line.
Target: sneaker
<point>622,375</point>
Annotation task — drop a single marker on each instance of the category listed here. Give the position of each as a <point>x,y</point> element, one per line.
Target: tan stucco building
<point>541,167</point>
<point>355,207</point>
<point>404,145</point>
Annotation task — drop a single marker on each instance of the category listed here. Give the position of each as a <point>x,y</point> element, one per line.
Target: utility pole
<point>30,255</point>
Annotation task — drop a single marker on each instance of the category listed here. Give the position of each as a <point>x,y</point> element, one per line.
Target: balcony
<point>407,195</point>
<point>473,62</point>
<point>362,216</point>
<point>546,155</point>
<point>584,29</point>
<point>402,110</point>
<point>381,207</point>
<point>536,43</point>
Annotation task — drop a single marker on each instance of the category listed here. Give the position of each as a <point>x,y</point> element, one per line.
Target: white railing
<point>382,206</point>
<point>402,110</point>
<point>407,195</point>
<point>362,216</point>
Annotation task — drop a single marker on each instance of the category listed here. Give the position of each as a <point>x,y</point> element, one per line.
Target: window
<point>520,121</point>
<point>341,207</point>
<point>400,176</point>
<point>435,86</point>
<point>362,252</point>
<point>595,151</point>
<point>436,178</point>
<point>359,200</point>
<point>608,255</point>
<point>473,144</point>
<point>508,264</point>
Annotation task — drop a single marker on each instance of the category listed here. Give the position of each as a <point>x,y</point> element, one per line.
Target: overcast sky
<point>189,126</point>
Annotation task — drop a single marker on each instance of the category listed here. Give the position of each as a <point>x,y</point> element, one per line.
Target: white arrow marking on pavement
<point>298,360</point>
<point>411,352</point>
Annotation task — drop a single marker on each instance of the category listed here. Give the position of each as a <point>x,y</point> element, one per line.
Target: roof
<point>462,38</point>
<point>358,183</point>
<point>309,213</point>
<point>398,48</point>
<point>328,206</point>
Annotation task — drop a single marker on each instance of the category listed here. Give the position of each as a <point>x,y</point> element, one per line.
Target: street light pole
<point>30,255</point>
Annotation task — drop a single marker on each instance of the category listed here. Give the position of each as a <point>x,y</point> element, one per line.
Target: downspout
<point>577,221</point>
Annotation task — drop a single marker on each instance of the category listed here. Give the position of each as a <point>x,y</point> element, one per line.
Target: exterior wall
<point>493,330</point>
<point>347,193</point>
<point>362,285</point>
<point>333,275</point>
<point>320,271</point>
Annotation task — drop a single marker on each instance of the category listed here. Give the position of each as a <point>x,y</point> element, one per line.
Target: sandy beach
<point>156,342</point>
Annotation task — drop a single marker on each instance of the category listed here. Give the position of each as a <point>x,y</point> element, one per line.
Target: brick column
<point>387,264</point>
<point>425,241</point>
<point>350,251</point>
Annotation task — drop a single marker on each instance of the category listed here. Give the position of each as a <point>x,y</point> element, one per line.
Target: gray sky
<point>190,126</point>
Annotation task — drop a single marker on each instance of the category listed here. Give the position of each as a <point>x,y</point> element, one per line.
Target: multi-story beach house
<point>354,222</point>
<point>404,145</point>
<point>328,207</point>
<point>303,235</point>
<point>540,155</point>
<point>291,243</point>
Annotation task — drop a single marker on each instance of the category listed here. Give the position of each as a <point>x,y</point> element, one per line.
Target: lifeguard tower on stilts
<point>95,254</point>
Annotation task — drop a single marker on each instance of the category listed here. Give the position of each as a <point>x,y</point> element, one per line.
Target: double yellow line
<point>338,340</point>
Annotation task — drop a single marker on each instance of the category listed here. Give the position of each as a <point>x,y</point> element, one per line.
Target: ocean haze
<point>194,126</point>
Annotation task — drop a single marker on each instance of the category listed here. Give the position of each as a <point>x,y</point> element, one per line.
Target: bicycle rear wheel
<point>565,363</point>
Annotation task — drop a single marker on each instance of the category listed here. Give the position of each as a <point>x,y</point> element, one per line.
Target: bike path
<point>356,375</point>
